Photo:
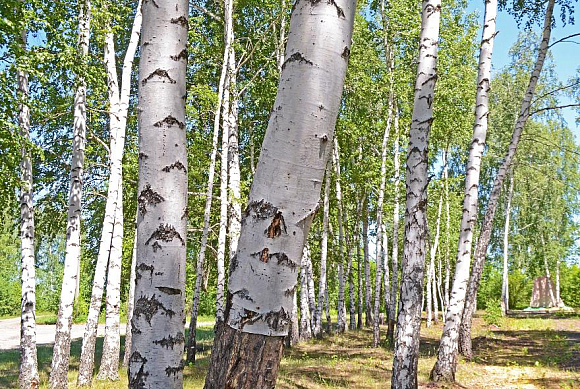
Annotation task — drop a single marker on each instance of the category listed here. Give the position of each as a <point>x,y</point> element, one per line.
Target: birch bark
<point>368,293</point>
<point>305,328</point>
<point>119,107</point>
<point>28,375</point>
<point>159,314</point>
<point>409,320</point>
<point>359,322</point>
<point>317,330</point>
<point>433,253</point>
<point>444,369</point>
<point>130,304</point>
<point>61,350</point>
<point>298,142</point>
<point>191,342</point>
<point>485,235</point>
<point>341,319</point>
<point>392,311</point>
<point>311,291</point>
<point>506,232</point>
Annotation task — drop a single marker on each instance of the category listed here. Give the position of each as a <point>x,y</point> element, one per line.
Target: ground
<point>537,352</point>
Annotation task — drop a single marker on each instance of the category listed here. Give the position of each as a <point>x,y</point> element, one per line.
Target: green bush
<point>492,314</point>
<point>570,285</point>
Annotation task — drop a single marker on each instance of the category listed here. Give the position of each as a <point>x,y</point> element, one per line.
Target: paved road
<point>10,332</point>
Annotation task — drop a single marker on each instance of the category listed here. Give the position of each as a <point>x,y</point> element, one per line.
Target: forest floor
<point>534,352</point>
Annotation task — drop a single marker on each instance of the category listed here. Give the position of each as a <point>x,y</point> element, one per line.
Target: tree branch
<point>564,39</point>
<point>556,107</point>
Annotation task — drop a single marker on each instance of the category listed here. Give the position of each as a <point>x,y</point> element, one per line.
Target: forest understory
<point>533,352</point>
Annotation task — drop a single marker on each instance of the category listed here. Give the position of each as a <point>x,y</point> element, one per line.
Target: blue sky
<point>566,55</point>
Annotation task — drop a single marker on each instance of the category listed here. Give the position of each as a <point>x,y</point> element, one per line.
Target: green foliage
<point>9,259</point>
<point>492,315</point>
<point>570,285</point>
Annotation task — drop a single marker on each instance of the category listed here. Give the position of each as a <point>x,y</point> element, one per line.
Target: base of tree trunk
<point>243,361</point>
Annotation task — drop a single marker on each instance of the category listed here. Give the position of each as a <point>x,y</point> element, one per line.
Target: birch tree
<point>392,310</point>
<point>368,293</point>
<point>159,314</point>
<point>317,330</point>
<point>112,226</point>
<point>406,354</point>
<point>298,143</point>
<point>130,304</point>
<point>444,369</point>
<point>485,234</point>
<point>61,350</point>
<point>506,233</point>
<point>341,319</point>
<point>305,328</point>
<point>28,376</point>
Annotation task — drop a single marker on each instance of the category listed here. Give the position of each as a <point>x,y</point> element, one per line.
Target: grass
<point>537,352</point>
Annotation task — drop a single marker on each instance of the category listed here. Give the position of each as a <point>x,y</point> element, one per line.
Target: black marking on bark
<point>143,156</point>
<point>137,357</point>
<point>181,55</point>
<point>339,10</point>
<point>134,329</point>
<point>154,3</point>
<point>290,292</point>
<point>171,121</point>
<point>249,317</point>
<point>168,290</point>
<point>283,260</point>
<point>260,210</point>
<point>171,341</point>
<point>143,267</point>
<point>277,319</point>
<point>148,196</point>
<point>185,213</point>
<point>176,165</point>
<point>165,233</point>
<point>243,294</point>
<point>296,57</point>
<point>173,371</point>
<point>158,273</point>
<point>161,73</point>
<point>138,380</point>
<point>275,228</point>
<point>180,20</point>
<point>234,263</point>
<point>345,53</point>
<point>264,256</point>
<point>156,246</point>
<point>148,307</point>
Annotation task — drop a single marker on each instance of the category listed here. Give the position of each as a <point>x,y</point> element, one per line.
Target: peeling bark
<point>406,355</point>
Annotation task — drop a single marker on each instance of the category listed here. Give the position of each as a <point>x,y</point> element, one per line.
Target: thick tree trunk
<point>109,369</point>
<point>119,107</point>
<point>61,350</point>
<point>368,293</point>
<point>305,328</point>
<point>409,320</point>
<point>444,369</point>
<point>130,304</point>
<point>298,142</point>
<point>506,232</point>
<point>158,340</point>
<point>547,269</point>
<point>392,311</point>
<point>486,229</point>
<point>191,341</point>
<point>317,330</point>
<point>28,377</point>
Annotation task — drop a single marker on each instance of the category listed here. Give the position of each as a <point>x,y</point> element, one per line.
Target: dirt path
<point>10,332</point>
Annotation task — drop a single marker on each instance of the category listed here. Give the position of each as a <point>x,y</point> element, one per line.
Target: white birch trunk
<point>368,293</point>
<point>283,197</point>
<point>191,342</point>
<point>360,265</point>
<point>341,318</point>
<point>506,232</point>
<point>317,330</point>
<point>109,369</point>
<point>409,318</point>
<point>119,107</point>
<point>392,310</point>
<point>444,369</point>
<point>386,273</point>
<point>293,336</point>
<point>28,375</point>
<point>61,350</point>
<point>327,311</point>
<point>130,304</point>
<point>486,229</point>
<point>550,284</point>
<point>559,301</point>
<point>432,285</point>
<point>159,314</point>
<point>311,290</point>
<point>447,235</point>
<point>305,328</point>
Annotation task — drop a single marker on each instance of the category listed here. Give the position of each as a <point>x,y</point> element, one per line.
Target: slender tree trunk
<point>61,350</point>
<point>293,336</point>
<point>392,311</point>
<point>506,232</point>
<point>377,301</point>
<point>311,291</point>
<point>130,304</point>
<point>444,369</point>
<point>409,320</point>
<point>119,107</point>
<point>317,330</point>
<point>559,302</point>
<point>109,369</point>
<point>432,287</point>
<point>327,311</point>
<point>486,229</point>
<point>341,318</point>
<point>386,273</point>
<point>248,345</point>
<point>305,328</point>
<point>191,342</point>
<point>28,377</point>
<point>368,292</point>
<point>428,293</point>
<point>447,235</point>
<point>157,350</point>
<point>360,265</point>
<point>547,269</point>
